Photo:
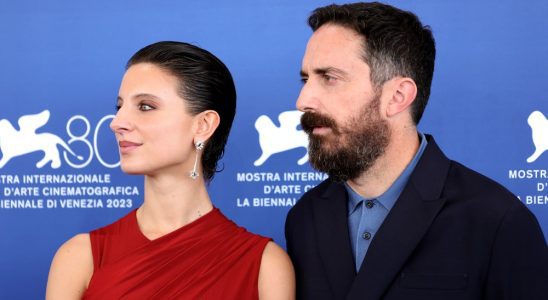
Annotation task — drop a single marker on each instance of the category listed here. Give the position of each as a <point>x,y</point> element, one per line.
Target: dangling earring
<point>199,147</point>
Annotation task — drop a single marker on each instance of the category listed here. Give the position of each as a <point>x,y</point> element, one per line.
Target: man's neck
<point>388,167</point>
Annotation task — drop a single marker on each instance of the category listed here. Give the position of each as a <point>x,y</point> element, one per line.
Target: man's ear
<point>404,93</point>
<point>205,124</point>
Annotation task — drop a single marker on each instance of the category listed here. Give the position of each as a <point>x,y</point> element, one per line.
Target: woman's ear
<point>404,93</point>
<point>205,124</point>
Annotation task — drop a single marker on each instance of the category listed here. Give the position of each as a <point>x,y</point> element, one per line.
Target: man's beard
<point>349,150</point>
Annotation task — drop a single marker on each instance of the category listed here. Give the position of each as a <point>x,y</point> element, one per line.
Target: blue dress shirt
<point>365,216</point>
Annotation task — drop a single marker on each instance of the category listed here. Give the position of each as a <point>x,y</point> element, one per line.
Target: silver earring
<point>199,147</point>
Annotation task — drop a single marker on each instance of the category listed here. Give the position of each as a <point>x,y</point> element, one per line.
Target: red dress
<point>210,258</point>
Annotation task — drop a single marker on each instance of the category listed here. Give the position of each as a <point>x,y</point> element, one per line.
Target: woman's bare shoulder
<point>276,276</point>
<point>71,269</point>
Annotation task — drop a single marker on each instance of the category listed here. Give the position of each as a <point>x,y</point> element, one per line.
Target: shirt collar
<point>388,198</point>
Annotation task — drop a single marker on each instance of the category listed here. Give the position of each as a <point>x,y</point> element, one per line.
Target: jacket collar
<point>330,215</point>
<point>405,225</point>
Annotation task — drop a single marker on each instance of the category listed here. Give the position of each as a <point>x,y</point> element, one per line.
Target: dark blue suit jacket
<point>452,234</point>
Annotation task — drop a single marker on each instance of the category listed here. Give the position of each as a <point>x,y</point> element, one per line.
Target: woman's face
<point>152,127</point>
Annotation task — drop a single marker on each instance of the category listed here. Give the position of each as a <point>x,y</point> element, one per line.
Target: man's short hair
<point>395,44</point>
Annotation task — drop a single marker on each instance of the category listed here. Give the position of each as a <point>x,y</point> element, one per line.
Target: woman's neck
<point>171,202</point>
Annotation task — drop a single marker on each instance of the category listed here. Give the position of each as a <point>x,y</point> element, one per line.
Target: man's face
<point>342,109</point>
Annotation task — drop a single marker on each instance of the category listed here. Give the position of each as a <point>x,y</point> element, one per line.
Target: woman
<point>175,108</point>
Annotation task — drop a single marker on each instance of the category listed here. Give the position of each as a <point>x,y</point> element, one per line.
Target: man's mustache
<point>309,120</point>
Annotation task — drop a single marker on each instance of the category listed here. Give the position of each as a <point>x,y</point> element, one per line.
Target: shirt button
<point>369,204</point>
<point>366,236</point>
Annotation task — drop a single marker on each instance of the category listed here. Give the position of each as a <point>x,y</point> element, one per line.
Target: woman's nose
<point>121,121</point>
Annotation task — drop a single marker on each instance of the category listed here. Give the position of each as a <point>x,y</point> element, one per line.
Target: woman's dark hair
<point>395,43</point>
<point>204,82</point>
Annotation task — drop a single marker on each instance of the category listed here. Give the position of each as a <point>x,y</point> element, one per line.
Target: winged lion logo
<point>274,139</point>
<point>14,143</point>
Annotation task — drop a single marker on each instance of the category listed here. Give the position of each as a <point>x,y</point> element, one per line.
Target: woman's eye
<point>145,107</point>
<point>117,107</point>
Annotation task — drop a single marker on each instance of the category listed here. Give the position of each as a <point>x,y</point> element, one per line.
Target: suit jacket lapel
<point>330,216</point>
<point>404,226</point>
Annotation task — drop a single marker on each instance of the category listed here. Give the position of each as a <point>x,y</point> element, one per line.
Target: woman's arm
<point>276,276</point>
<point>71,269</point>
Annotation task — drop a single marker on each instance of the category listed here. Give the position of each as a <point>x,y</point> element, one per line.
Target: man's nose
<point>308,100</point>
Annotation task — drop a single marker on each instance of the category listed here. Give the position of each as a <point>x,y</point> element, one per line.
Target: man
<point>396,219</point>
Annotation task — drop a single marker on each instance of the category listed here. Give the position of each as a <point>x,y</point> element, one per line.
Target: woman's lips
<point>126,146</point>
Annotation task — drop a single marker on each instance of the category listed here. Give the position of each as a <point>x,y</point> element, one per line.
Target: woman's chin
<point>132,170</point>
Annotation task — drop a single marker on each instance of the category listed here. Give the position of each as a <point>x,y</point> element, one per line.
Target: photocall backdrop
<point>62,63</point>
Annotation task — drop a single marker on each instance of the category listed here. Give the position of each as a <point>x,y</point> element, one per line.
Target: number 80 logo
<point>83,138</point>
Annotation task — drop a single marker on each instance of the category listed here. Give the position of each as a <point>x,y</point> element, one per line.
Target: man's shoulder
<point>469,181</point>
<point>478,193</point>
<point>465,190</point>
<point>458,180</point>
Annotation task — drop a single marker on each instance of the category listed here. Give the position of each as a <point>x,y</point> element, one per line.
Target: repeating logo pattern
<point>25,140</point>
<point>274,139</point>
<point>539,128</point>
<point>15,143</point>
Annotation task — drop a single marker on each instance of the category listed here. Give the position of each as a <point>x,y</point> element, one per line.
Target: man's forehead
<point>331,32</point>
<point>333,46</point>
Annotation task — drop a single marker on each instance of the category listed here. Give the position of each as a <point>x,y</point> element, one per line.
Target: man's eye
<point>329,78</point>
<point>118,106</point>
<point>145,107</point>
<point>304,80</point>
